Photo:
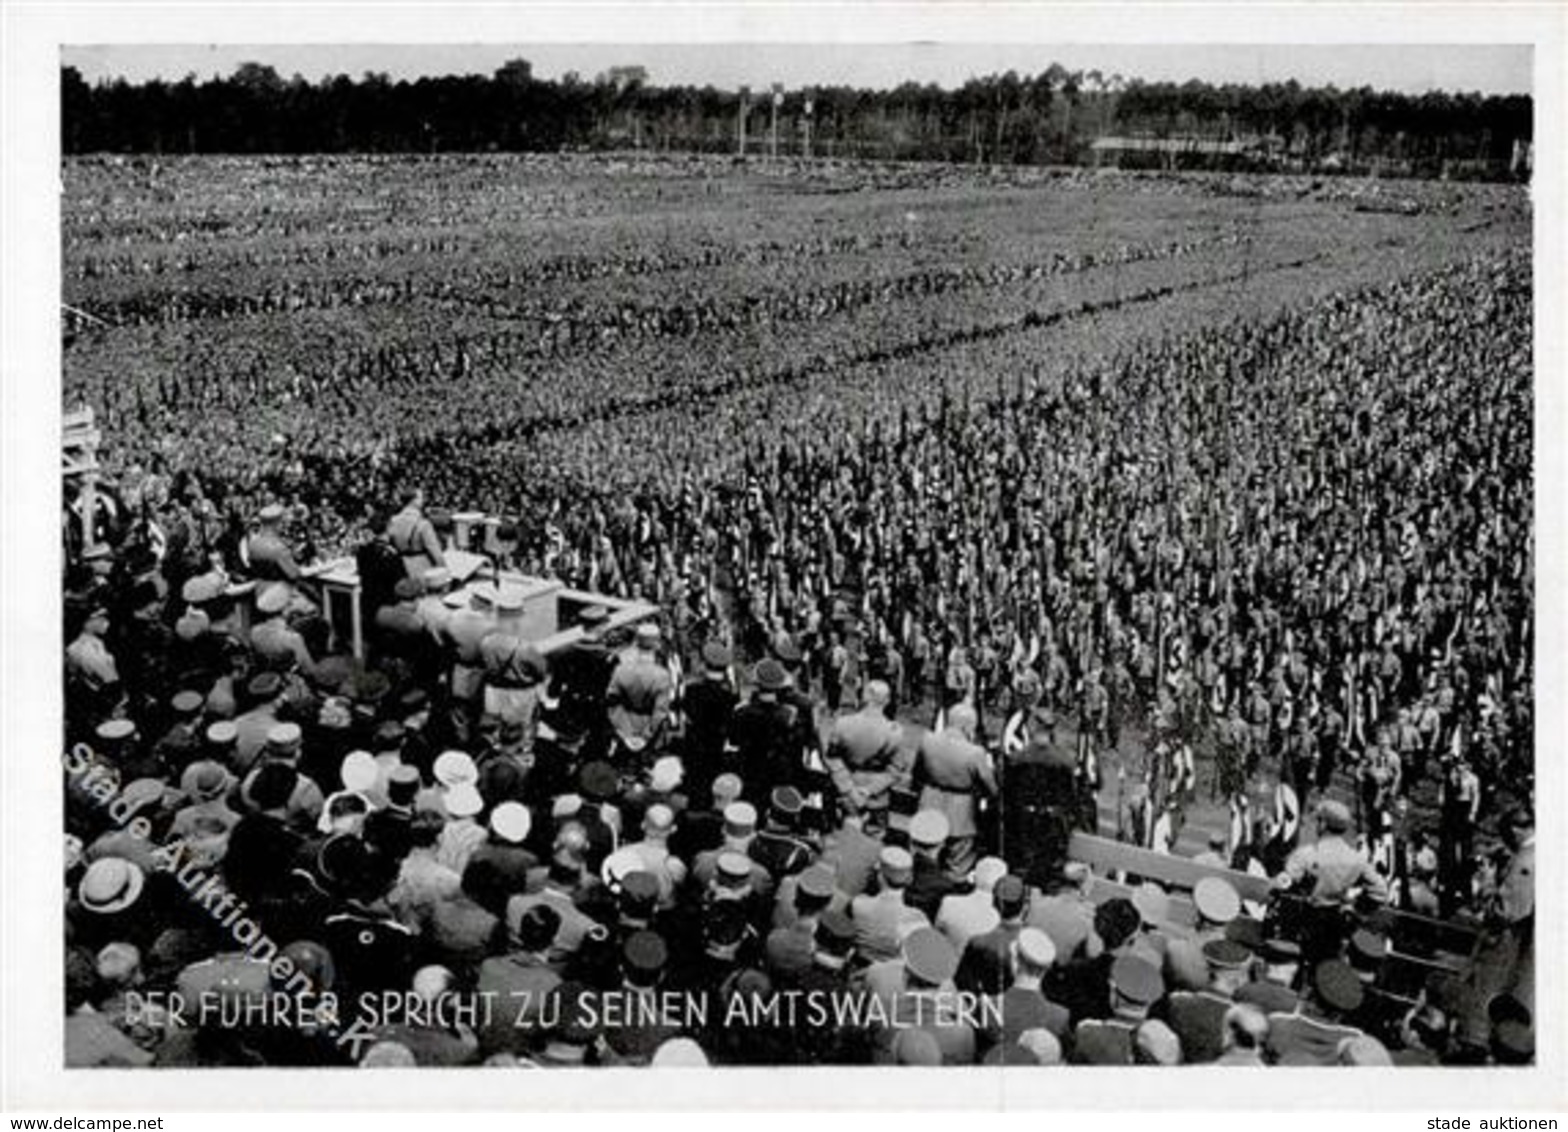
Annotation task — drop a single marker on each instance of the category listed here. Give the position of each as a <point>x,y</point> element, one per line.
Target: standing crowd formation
<point>1282,570</point>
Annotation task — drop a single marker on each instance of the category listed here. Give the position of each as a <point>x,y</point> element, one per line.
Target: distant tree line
<point>1053,117</point>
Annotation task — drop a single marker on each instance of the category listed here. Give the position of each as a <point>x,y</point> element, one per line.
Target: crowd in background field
<point>1294,558</point>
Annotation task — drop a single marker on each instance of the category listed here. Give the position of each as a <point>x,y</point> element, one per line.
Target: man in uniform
<point>962,916</point>
<point>952,771</point>
<point>465,629</point>
<point>278,646</point>
<point>864,758</point>
<point>932,883</point>
<point>985,966</point>
<point>639,695</point>
<point>911,988</point>
<point>1331,868</point>
<point>413,536</point>
<point>1135,985</point>
<point>778,846</point>
<point>267,550</point>
<point>882,921</point>
<point>579,677</point>
<point>708,701</point>
<point>513,670</point>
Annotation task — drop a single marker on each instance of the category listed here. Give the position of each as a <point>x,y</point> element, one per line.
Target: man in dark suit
<point>987,963</point>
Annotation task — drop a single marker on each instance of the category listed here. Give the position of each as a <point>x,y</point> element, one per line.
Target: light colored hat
<point>659,819</point>
<point>666,774</point>
<point>455,767</point>
<point>456,599</point>
<point>388,1055</point>
<point>463,801</point>
<point>222,733</point>
<point>509,601</point>
<point>896,862</point>
<point>116,730</point>
<point>735,865</point>
<point>359,771</point>
<point>1216,900</point>
<point>111,884</point>
<point>619,865</point>
<point>271,513</point>
<point>1045,1046</point>
<point>511,821</point>
<point>432,981</point>
<point>647,633</point>
<point>1036,948</point>
<point>1152,903</point>
<point>284,735</point>
<point>740,818</point>
<point>727,786</point>
<point>204,780</point>
<point>679,1053</point>
<point>989,870</point>
<point>566,805</point>
<point>273,599</point>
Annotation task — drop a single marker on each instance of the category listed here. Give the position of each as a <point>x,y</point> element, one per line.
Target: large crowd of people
<point>1286,564</point>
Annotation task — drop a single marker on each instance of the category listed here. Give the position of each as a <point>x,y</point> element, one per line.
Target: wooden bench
<point>1180,874</point>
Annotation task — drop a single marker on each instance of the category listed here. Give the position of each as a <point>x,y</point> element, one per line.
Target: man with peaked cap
<point>1135,986</point>
<point>953,773</point>
<point>514,671</point>
<point>1312,1035</point>
<point>739,831</point>
<point>465,628</point>
<point>277,645</point>
<point>305,801</point>
<point>932,882</point>
<point>910,987</point>
<point>1271,988</point>
<point>776,846</point>
<point>963,915</point>
<point>865,759</point>
<point>579,679</point>
<point>1198,1015</point>
<point>1217,904</point>
<point>432,605</point>
<point>791,945</point>
<point>265,694</point>
<point>1025,1005</point>
<point>882,920</point>
<point>267,550</point>
<point>986,963</point>
<point>413,536</point>
<point>708,701</point>
<point>640,694</point>
<point>399,631</point>
<point>181,744</point>
<point>702,829</point>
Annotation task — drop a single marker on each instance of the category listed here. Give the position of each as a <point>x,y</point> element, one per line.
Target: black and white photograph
<point>654,554</point>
